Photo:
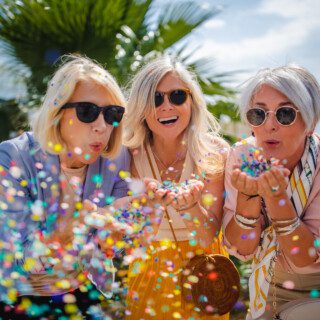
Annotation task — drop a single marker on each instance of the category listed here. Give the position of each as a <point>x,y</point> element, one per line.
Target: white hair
<point>203,142</point>
<point>295,82</point>
<point>46,123</point>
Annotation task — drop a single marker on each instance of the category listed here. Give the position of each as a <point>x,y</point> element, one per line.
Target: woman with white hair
<point>273,183</point>
<point>50,248</point>
<point>174,142</point>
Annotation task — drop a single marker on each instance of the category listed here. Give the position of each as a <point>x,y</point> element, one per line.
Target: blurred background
<point>223,41</point>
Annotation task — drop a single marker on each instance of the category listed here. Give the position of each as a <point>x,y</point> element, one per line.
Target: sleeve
<point>17,227</point>
<point>230,205</point>
<point>120,188</point>
<point>100,269</point>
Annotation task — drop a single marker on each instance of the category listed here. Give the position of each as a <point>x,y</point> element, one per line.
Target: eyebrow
<point>284,103</point>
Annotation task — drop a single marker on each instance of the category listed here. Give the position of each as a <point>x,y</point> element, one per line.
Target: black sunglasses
<point>88,112</point>
<point>176,97</point>
<point>285,115</point>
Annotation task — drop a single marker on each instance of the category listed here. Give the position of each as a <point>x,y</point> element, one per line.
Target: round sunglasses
<point>88,112</point>
<point>285,115</point>
<point>176,97</point>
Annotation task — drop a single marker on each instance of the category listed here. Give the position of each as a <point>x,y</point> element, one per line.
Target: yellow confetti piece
<point>81,277</point>
<point>63,284</point>
<point>109,241</point>
<point>165,243</point>
<point>71,122</point>
<point>25,303</point>
<point>1,168</point>
<point>295,238</point>
<point>177,315</point>
<point>23,183</point>
<point>78,205</point>
<point>135,204</point>
<point>70,308</point>
<point>12,294</point>
<point>208,199</point>
<point>193,279</point>
<point>57,147</point>
<point>124,174</point>
<point>176,292</point>
<point>120,244</point>
<point>29,263</point>
<point>12,223</point>
<point>7,283</point>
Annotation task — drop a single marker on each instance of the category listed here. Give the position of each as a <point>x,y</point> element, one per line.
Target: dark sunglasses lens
<point>87,112</point>
<point>286,115</point>
<point>158,99</point>
<point>178,97</point>
<point>256,116</point>
<point>113,115</point>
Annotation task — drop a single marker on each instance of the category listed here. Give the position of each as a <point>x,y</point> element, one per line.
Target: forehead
<point>266,94</point>
<point>171,81</point>
<point>89,90</point>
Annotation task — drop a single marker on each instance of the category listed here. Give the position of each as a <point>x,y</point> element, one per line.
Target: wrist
<point>185,208</point>
<point>246,222</point>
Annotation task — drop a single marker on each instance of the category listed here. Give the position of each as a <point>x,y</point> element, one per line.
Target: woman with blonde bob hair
<point>175,144</point>
<point>51,240</point>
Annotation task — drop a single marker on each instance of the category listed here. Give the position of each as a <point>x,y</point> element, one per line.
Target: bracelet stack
<point>245,223</point>
<point>285,227</point>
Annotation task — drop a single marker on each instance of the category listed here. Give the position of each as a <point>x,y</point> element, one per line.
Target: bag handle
<point>165,210</point>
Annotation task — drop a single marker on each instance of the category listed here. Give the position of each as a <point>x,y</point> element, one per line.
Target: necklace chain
<point>164,166</point>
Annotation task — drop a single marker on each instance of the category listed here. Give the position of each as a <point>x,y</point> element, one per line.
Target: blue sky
<point>252,34</point>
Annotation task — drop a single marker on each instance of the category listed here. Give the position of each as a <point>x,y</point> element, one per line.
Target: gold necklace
<point>163,165</point>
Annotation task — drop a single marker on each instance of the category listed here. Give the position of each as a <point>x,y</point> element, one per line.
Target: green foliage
<point>120,34</point>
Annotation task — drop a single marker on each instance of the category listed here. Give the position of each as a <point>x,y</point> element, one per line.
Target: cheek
<point>151,121</point>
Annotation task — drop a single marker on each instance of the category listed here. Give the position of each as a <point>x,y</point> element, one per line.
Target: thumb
<point>89,205</point>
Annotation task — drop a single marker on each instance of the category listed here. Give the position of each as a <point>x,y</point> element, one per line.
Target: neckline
<point>183,175</point>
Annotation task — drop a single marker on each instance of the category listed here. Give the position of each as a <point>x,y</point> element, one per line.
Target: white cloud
<point>290,8</point>
<point>275,43</point>
<point>214,24</point>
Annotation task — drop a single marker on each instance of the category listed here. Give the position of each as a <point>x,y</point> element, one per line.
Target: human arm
<point>240,199</point>
<point>298,244</point>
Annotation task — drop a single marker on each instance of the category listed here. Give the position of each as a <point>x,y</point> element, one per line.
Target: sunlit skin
<point>165,132</point>
<point>91,138</point>
<point>284,143</point>
<point>167,142</point>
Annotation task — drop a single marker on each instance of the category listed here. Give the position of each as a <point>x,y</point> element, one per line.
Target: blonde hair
<point>203,142</point>
<point>74,68</point>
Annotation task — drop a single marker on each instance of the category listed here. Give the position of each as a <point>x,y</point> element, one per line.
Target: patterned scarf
<point>298,191</point>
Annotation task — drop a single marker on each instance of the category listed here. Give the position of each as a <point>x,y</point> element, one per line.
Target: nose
<point>271,123</point>
<point>99,125</point>
<point>166,105</point>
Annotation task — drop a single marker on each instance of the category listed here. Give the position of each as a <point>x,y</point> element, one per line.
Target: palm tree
<point>121,34</point>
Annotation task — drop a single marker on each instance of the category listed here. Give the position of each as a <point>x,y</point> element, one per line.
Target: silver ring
<point>275,188</point>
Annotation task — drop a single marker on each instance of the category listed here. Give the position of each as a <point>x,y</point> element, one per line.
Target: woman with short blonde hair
<point>54,260</point>
<point>45,124</point>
